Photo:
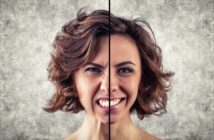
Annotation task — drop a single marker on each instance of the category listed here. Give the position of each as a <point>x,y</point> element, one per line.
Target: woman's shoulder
<point>146,135</point>
<point>72,136</point>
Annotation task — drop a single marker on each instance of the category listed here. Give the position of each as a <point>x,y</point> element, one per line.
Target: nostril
<point>113,89</point>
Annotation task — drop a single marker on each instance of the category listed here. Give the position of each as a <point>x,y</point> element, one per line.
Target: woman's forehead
<point>121,48</point>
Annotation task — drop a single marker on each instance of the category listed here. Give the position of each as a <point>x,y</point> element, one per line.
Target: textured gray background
<point>184,29</point>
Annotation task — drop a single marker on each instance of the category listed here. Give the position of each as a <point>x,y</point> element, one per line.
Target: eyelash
<point>126,69</point>
<point>93,70</point>
<point>121,71</point>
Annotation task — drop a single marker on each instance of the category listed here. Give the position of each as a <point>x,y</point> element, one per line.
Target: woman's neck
<point>122,129</point>
<point>93,129</point>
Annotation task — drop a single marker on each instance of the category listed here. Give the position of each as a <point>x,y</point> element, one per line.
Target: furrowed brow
<point>95,64</point>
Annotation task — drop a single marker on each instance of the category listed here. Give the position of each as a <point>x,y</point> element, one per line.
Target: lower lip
<point>104,110</point>
<point>115,108</point>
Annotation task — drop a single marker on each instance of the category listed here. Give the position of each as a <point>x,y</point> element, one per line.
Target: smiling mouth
<point>104,103</point>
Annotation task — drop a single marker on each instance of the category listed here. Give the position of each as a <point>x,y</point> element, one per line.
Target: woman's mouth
<point>104,103</point>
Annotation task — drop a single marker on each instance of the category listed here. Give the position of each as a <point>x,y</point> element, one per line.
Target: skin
<point>92,84</point>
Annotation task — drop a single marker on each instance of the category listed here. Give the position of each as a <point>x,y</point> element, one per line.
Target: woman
<point>81,68</point>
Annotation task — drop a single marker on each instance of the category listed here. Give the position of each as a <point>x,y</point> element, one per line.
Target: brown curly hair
<point>76,45</point>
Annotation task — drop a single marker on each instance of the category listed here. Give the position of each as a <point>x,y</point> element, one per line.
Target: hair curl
<point>75,45</point>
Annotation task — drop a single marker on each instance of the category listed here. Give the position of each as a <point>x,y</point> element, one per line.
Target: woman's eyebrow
<point>125,63</point>
<point>95,64</point>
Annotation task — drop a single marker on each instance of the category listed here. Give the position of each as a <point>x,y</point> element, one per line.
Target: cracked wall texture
<point>184,30</point>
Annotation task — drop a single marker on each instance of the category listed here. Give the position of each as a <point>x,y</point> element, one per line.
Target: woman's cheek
<point>87,91</point>
<point>131,84</point>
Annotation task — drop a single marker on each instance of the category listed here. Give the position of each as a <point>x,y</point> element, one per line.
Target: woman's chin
<point>105,122</point>
<point>115,118</point>
<point>112,121</point>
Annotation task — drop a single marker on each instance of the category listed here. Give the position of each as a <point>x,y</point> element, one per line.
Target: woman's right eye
<point>93,70</point>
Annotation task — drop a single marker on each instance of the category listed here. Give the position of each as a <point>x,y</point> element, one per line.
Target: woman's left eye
<point>93,69</point>
<point>124,71</point>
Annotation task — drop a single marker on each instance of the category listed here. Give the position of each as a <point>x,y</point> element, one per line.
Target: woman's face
<point>92,80</point>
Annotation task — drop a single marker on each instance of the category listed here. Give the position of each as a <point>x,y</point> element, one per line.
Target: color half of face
<point>92,80</point>
<point>125,74</point>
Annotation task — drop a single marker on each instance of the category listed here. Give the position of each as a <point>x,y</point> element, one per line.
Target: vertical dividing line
<point>109,9</point>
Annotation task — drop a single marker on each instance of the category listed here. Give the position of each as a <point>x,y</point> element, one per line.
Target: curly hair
<point>76,45</point>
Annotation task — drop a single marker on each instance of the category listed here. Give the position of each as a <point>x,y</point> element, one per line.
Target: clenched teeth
<point>105,103</point>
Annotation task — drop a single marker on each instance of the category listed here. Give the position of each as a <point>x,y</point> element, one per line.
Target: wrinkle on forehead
<point>122,48</point>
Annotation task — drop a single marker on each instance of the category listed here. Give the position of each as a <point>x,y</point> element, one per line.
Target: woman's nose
<point>105,82</point>
<point>113,83</point>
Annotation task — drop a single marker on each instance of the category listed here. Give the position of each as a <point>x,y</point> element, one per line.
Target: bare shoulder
<point>145,135</point>
<point>72,136</point>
